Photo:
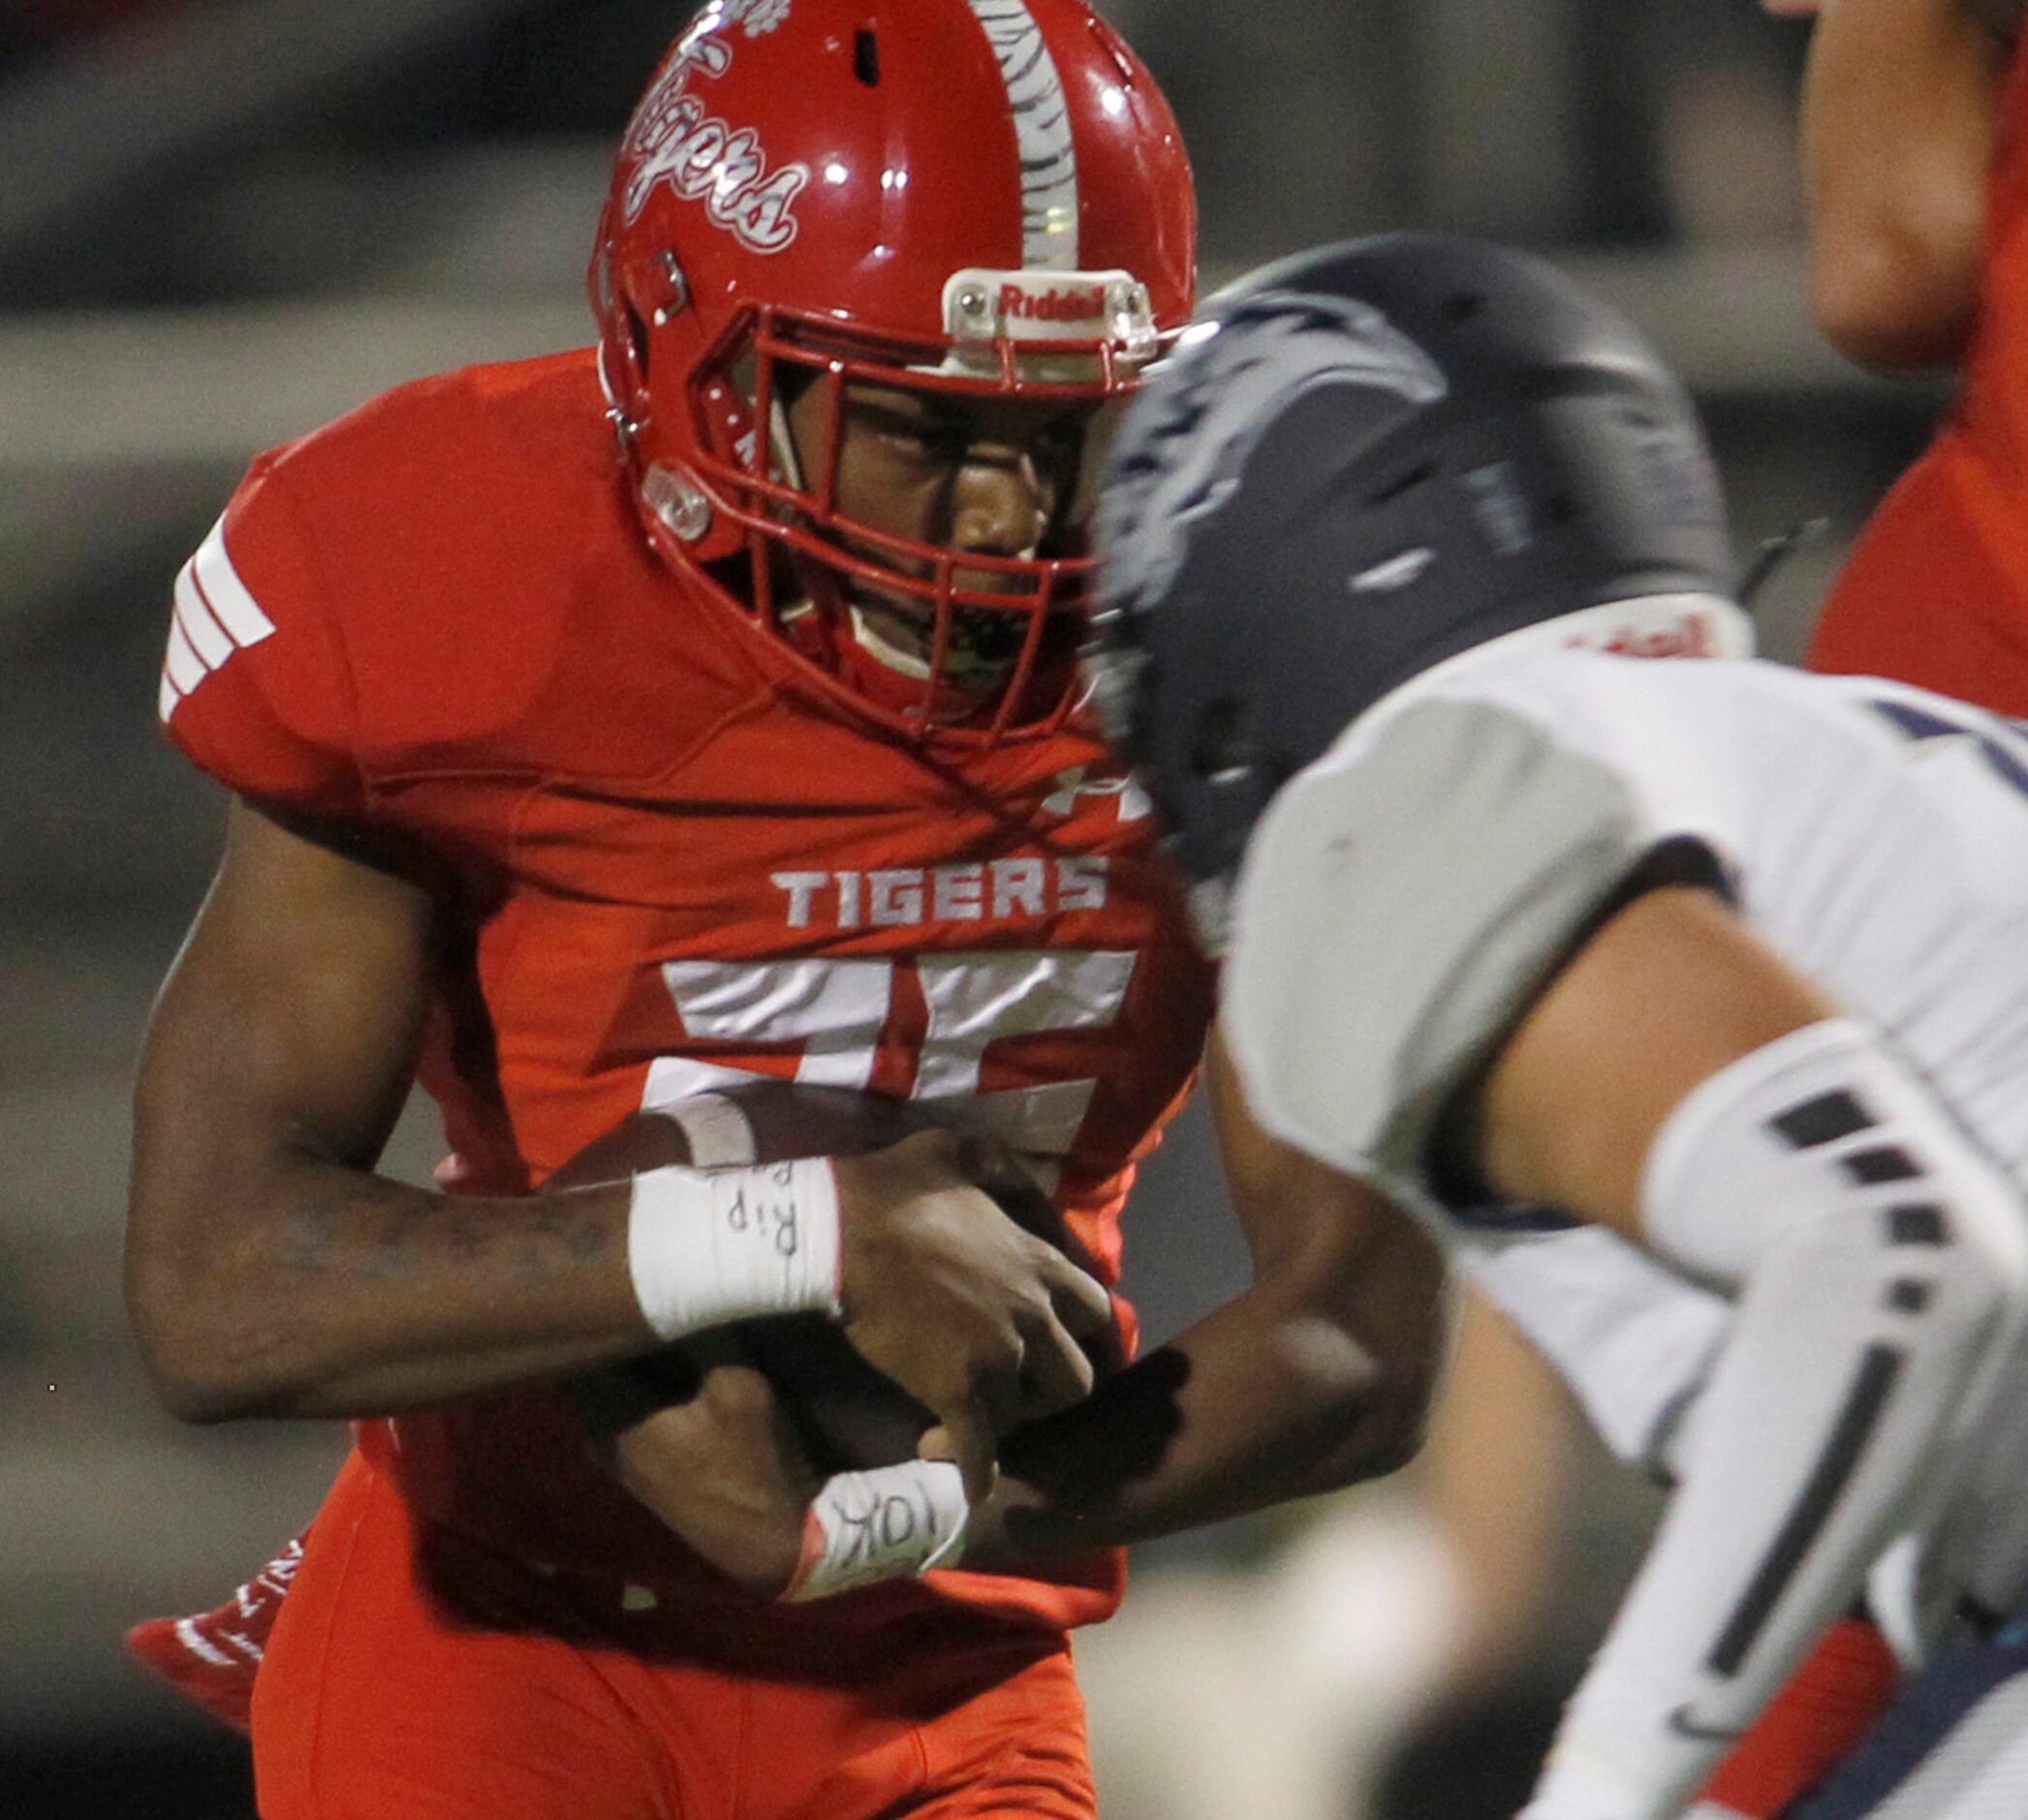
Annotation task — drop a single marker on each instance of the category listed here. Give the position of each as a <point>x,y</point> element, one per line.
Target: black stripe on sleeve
<point>1821,1120</point>
<point>1887,1162</point>
<point>1908,1295</point>
<point>1871,1385</point>
<point>1921,1224</point>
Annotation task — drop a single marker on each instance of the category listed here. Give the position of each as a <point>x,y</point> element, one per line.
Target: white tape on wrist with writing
<point>891,1522</point>
<point>709,1245</point>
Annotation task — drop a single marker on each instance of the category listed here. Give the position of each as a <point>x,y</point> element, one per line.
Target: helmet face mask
<point>868,543</point>
<point>887,237</point>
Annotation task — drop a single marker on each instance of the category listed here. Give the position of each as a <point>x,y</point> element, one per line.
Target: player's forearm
<point>1899,110</point>
<point>1317,1375</point>
<point>1809,1454</point>
<point>322,1291</point>
<point>1884,1274</point>
<point>1271,1397</point>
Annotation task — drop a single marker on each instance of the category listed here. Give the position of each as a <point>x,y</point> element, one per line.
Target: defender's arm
<point>1899,110</point>
<point>1318,1374</point>
<point>1679,1083</point>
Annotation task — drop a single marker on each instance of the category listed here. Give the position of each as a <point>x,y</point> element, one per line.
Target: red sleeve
<point>255,687</point>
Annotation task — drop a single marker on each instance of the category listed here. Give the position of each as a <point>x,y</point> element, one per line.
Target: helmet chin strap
<point>898,678</point>
<point>826,616</point>
<point>835,633</point>
<point>881,648</point>
<point>787,460</point>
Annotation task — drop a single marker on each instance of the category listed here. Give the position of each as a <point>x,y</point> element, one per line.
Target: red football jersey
<point>674,869</point>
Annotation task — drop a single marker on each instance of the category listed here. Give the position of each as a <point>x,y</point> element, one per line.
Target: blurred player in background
<point>1916,164</point>
<point>1914,145</point>
<point>615,727</point>
<point>1727,960</point>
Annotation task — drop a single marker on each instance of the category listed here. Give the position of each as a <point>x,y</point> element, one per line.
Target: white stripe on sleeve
<point>194,618</point>
<point>237,611</point>
<point>184,666</point>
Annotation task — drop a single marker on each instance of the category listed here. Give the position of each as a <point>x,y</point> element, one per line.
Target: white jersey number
<point>838,1011</point>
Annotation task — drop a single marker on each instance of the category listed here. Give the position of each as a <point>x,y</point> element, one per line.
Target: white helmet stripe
<point>1042,134</point>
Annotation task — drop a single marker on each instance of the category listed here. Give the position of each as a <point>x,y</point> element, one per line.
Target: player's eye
<point>903,429</point>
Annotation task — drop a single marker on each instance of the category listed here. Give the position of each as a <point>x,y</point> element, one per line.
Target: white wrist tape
<point>893,1522</point>
<point>705,1247</point>
<point>718,1131</point>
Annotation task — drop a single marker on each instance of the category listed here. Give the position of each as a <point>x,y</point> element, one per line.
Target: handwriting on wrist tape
<point>887,1523</point>
<point>763,1204</point>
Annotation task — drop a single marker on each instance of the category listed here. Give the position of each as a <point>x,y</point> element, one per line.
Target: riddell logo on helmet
<point>703,158</point>
<point>1077,303</point>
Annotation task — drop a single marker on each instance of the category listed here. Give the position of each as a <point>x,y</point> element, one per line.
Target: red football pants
<point>1829,1704</point>
<point>384,1698</point>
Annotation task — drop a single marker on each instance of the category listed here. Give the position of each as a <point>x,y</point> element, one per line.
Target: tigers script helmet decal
<point>701,157</point>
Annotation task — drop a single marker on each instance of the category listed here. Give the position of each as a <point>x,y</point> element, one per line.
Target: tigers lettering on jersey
<point>215,616</point>
<point>908,897</point>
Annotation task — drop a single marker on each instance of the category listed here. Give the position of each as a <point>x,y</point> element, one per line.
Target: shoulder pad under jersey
<point>1402,902</point>
<point>254,688</point>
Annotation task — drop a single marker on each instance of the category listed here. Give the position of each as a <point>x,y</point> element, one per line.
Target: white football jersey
<point>1405,896</point>
<point>1873,834</point>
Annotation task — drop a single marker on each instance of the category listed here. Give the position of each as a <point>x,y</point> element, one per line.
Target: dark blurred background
<point>225,221</point>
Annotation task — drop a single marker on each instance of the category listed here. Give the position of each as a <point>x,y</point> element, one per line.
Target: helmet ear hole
<point>866,58</point>
<point>1462,307</point>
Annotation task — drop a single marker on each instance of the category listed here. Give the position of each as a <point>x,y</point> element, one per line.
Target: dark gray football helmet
<point>1358,462</point>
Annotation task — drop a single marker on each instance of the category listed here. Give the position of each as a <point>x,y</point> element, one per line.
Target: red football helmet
<point>979,197</point>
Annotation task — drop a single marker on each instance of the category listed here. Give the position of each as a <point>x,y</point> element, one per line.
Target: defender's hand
<point>725,1472</point>
<point>973,1317</point>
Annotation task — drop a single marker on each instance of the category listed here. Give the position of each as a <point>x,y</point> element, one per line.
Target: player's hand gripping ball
<point>728,1435</point>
